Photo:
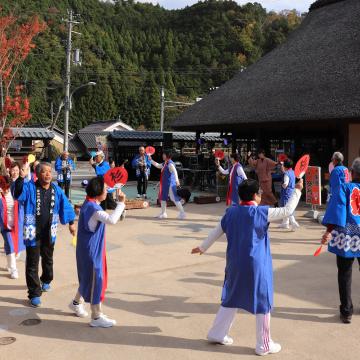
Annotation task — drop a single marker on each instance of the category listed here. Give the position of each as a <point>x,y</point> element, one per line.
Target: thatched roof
<point>314,75</point>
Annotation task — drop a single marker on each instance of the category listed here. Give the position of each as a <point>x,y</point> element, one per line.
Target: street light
<point>67,112</point>
<point>67,104</point>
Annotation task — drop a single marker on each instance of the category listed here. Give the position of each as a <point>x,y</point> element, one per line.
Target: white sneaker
<point>273,349</point>
<point>79,310</point>
<point>284,226</point>
<point>14,274</point>
<point>138,196</point>
<point>181,216</point>
<point>162,216</point>
<point>102,321</point>
<point>295,225</point>
<point>226,341</point>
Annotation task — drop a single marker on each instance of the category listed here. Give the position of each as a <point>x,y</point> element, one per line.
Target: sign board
<point>313,185</point>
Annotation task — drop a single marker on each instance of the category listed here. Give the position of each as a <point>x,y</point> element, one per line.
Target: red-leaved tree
<point>16,42</point>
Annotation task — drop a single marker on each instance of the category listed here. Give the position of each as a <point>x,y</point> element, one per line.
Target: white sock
<point>163,207</point>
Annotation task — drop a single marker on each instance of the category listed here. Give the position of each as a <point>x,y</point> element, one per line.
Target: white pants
<point>172,198</point>
<point>224,320</point>
<point>11,261</point>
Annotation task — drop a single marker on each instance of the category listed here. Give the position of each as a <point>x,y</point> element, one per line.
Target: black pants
<point>109,203</point>
<point>142,183</point>
<point>344,279</point>
<point>45,249</point>
<point>65,185</point>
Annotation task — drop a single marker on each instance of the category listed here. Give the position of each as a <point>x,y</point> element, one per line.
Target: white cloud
<point>277,5</point>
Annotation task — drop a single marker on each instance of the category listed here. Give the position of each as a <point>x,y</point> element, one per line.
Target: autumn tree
<point>16,42</point>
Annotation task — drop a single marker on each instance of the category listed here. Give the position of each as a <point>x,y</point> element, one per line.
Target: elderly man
<point>142,165</point>
<point>101,167</point>
<point>263,167</point>
<point>339,175</point>
<point>342,219</point>
<point>44,205</point>
<point>63,166</point>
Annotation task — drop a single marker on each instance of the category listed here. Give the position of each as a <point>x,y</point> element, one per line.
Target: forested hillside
<point>131,49</point>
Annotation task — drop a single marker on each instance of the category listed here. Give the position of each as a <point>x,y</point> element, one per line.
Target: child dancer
<point>248,281</point>
<point>287,188</point>
<point>91,252</point>
<point>11,222</point>
<point>169,182</point>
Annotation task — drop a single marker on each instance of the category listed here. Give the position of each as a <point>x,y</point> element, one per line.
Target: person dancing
<point>169,181</point>
<point>91,252</point>
<point>248,283</point>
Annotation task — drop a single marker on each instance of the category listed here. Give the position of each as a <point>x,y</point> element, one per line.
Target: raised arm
<point>157,165</point>
<point>106,218</point>
<point>214,235</point>
<point>283,212</point>
<point>223,171</point>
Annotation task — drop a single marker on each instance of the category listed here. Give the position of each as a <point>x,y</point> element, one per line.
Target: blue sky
<point>277,5</point>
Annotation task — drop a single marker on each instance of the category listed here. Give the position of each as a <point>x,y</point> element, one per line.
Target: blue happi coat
<point>339,176</point>
<point>167,181</point>
<point>234,181</point>
<point>345,216</point>
<point>13,239</point>
<point>91,256</point>
<point>60,172</point>
<point>286,193</point>
<point>135,165</point>
<point>63,212</point>
<point>248,281</point>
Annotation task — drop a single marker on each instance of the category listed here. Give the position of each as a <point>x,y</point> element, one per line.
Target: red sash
<point>231,180</point>
<point>5,219</point>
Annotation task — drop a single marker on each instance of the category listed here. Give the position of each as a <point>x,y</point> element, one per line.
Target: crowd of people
<point>32,206</point>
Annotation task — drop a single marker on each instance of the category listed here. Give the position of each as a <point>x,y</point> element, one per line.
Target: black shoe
<point>346,319</point>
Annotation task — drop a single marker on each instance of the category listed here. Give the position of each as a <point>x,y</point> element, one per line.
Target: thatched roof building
<point>308,87</point>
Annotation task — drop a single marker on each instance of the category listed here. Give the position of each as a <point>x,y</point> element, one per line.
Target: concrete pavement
<point>165,299</point>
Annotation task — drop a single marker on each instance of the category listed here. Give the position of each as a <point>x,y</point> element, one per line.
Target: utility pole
<point>162,109</point>
<point>70,23</point>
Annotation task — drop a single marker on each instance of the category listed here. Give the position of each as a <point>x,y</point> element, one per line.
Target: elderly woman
<point>342,221</point>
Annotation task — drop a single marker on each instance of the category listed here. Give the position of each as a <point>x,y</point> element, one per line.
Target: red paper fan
<point>302,166</point>
<point>117,175</point>
<point>219,154</point>
<point>282,157</point>
<point>150,150</point>
<point>318,251</point>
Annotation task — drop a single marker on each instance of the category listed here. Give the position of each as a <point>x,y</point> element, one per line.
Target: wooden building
<point>304,96</point>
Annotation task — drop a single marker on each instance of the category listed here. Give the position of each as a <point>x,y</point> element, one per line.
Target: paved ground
<point>164,299</point>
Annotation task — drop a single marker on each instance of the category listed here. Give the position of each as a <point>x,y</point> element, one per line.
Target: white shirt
<point>285,183</point>
<point>274,214</point>
<point>10,209</point>
<point>172,169</point>
<point>240,171</point>
<point>104,217</point>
